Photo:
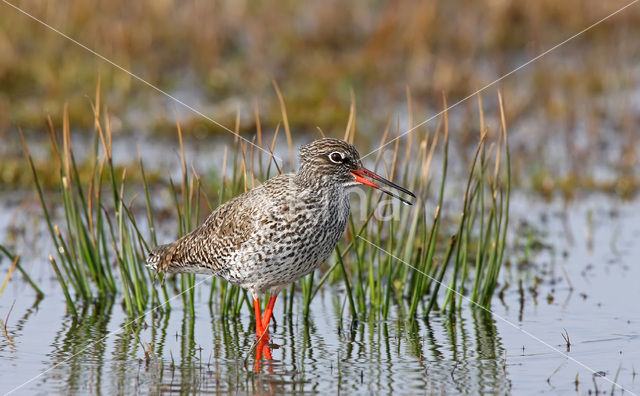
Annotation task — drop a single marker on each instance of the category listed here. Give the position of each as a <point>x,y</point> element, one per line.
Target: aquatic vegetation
<point>105,232</point>
<point>15,259</point>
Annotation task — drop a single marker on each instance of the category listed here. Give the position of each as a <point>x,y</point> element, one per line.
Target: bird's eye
<point>336,157</point>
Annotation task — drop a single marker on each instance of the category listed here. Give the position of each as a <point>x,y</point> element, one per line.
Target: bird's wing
<point>233,228</point>
<point>209,247</point>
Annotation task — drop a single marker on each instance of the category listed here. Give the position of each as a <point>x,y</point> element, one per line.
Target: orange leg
<point>262,350</point>
<point>259,326</point>
<point>262,327</point>
<point>268,312</point>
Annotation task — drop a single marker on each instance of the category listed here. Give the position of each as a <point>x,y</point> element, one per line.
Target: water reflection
<point>174,351</point>
<point>8,343</point>
<point>81,346</point>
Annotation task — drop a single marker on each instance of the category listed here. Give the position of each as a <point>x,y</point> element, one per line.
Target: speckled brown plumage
<point>278,232</point>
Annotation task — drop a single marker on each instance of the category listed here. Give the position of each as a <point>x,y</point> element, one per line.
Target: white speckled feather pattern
<point>275,233</point>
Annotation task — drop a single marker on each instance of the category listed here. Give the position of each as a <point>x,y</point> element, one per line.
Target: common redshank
<point>280,231</point>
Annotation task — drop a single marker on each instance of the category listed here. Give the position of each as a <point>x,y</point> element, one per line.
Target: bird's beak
<point>365,176</point>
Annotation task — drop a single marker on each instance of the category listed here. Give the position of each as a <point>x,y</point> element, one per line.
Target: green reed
<point>411,258</point>
<point>97,232</point>
<point>419,259</point>
<point>16,259</point>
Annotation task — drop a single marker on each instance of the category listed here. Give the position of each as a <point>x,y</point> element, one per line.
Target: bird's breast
<point>308,227</point>
<point>292,237</point>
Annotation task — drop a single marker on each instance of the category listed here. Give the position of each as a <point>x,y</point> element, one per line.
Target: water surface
<point>576,265</point>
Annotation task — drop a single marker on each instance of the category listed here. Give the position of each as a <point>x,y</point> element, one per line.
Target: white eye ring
<point>336,157</point>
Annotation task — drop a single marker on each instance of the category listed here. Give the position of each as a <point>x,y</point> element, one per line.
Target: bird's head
<point>337,161</point>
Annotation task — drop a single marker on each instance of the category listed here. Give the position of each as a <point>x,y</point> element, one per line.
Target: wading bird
<point>280,231</point>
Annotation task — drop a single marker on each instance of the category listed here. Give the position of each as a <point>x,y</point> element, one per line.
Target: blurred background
<point>573,114</point>
<point>573,120</point>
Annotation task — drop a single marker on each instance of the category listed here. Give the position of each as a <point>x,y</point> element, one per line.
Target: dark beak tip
<point>408,202</point>
<point>364,173</point>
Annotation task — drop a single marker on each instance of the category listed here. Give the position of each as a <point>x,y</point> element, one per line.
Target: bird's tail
<point>160,257</point>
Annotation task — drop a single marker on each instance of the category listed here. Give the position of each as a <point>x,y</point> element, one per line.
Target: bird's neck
<point>306,177</point>
<point>311,179</point>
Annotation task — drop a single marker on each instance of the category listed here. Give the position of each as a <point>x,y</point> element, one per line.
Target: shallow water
<point>595,240</point>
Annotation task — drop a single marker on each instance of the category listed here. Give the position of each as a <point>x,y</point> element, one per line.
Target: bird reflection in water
<point>263,351</point>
